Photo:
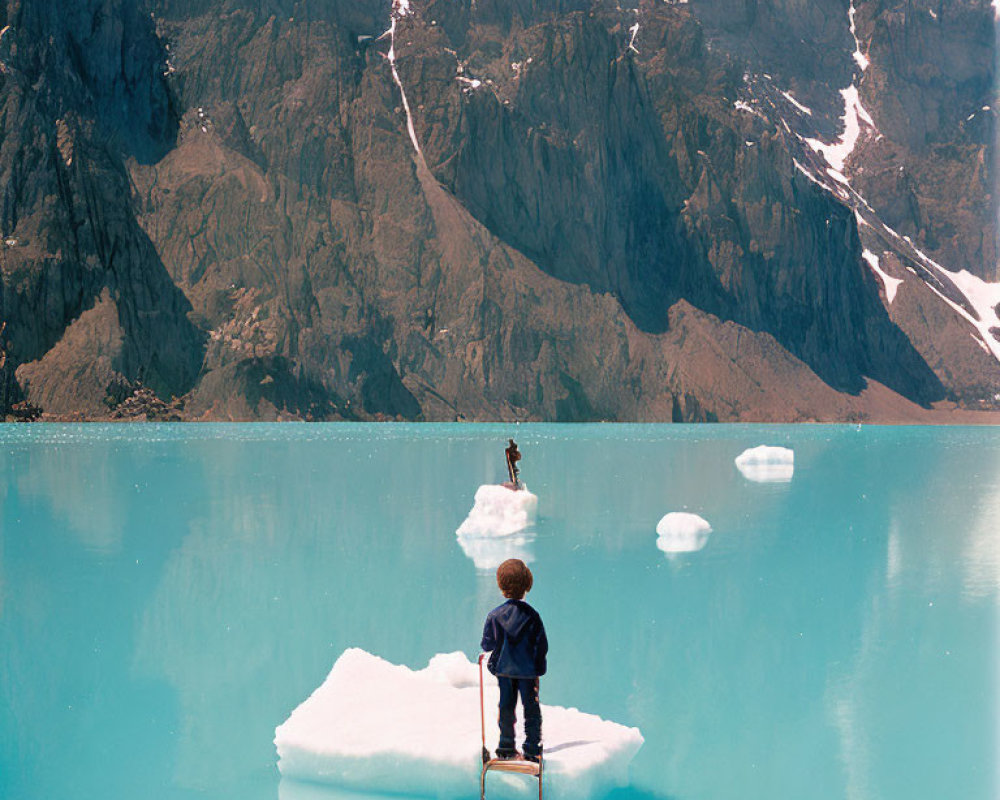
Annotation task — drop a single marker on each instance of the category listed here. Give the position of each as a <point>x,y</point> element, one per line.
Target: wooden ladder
<point>502,764</point>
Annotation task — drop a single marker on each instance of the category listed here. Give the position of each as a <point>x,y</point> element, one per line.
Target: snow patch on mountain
<point>797,104</point>
<point>982,297</point>
<point>400,8</point>
<point>631,42</point>
<point>860,58</point>
<point>890,283</point>
<point>838,152</point>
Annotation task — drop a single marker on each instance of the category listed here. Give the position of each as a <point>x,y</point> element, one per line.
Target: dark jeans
<point>527,688</point>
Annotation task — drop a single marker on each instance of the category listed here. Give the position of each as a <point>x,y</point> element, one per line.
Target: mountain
<point>499,209</point>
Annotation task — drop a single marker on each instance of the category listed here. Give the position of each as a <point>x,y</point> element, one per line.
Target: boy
<point>515,638</point>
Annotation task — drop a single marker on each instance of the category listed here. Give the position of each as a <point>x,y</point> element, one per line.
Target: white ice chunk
<point>495,528</point>
<point>766,464</point>
<point>682,532</point>
<point>499,511</point>
<point>374,726</point>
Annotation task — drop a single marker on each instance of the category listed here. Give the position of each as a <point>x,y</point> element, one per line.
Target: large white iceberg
<point>766,464</point>
<point>494,530</point>
<point>379,727</point>
<point>682,532</point>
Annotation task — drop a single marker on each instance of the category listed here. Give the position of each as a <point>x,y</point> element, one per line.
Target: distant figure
<point>515,638</point>
<point>513,456</point>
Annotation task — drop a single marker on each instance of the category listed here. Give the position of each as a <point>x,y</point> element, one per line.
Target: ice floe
<point>682,532</point>
<point>495,528</point>
<point>766,464</point>
<point>374,726</point>
<point>499,511</point>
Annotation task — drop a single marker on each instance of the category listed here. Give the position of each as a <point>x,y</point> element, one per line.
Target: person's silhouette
<point>513,456</point>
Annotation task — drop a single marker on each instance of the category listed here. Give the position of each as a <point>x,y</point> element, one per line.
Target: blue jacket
<point>515,637</point>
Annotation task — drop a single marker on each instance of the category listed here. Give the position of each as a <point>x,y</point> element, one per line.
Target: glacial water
<point>168,594</point>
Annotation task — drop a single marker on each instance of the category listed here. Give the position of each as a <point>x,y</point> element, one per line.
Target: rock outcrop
<point>84,294</point>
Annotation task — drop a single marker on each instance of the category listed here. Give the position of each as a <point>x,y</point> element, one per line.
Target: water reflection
<point>767,473</point>
<point>898,695</point>
<point>8,512</point>
<point>489,552</point>
<point>289,789</point>
<point>836,638</point>
<point>83,486</point>
<point>296,553</point>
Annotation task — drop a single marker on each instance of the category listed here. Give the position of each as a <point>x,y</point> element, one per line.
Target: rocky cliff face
<point>441,209</point>
<point>84,294</point>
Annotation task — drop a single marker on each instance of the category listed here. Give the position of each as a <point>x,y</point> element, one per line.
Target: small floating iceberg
<point>374,726</point>
<point>499,511</point>
<point>495,528</point>
<point>766,464</point>
<point>682,532</point>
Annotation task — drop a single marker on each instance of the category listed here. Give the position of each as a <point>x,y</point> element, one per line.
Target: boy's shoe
<point>509,755</point>
<point>533,758</point>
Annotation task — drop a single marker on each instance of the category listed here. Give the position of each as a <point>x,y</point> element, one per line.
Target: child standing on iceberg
<point>515,638</point>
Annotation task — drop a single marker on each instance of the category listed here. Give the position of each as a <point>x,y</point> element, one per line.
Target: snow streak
<point>890,283</point>
<point>797,104</point>
<point>400,8</point>
<point>631,42</point>
<point>859,57</point>
<point>972,298</point>
<point>837,153</point>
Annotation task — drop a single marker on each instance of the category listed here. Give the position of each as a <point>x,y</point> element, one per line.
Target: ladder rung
<point>511,765</point>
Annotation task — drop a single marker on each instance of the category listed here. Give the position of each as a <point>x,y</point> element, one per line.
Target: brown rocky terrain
<point>292,209</point>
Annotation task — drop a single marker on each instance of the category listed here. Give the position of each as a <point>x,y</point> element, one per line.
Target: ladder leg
<point>482,784</point>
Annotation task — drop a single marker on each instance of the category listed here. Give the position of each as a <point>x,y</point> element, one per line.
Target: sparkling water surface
<point>169,593</point>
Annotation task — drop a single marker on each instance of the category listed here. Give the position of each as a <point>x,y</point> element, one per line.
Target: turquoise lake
<point>169,593</point>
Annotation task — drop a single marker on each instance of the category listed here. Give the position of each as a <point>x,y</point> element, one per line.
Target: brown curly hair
<point>514,578</point>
